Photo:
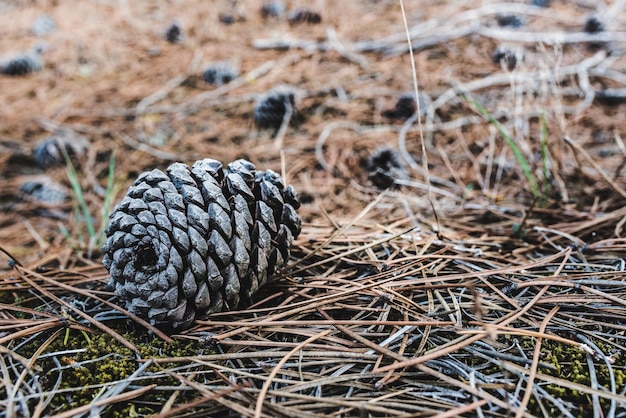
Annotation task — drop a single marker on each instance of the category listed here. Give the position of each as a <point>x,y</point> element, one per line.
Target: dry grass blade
<point>24,273</point>
<point>457,412</point>
<point>261,397</point>
<point>580,150</point>
<point>535,365</point>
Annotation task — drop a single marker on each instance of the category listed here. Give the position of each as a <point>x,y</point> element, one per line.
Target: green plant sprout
<point>544,155</point>
<point>530,178</point>
<point>96,237</point>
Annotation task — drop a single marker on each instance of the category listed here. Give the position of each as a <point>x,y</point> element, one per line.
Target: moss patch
<point>102,363</point>
<point>571,364</point>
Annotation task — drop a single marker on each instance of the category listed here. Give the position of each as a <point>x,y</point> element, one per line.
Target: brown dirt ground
<point>110,76</point>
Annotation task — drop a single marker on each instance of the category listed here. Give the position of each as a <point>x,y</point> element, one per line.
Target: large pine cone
<point>198,240</point>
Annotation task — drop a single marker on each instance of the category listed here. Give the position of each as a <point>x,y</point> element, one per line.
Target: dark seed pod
<point>304,15</point>
<point>48,152</point>
<point>174,33</point>
<point>220,73</point>
<point>273,9</point>
<point>199,239</point>
<point>270,109</point>
<point>385,167</point>
<point>22,64</point>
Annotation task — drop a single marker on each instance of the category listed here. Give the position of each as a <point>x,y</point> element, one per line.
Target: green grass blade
<point>108,198</point>
<point>68,237</point>
<point>544,155</point>
<point>530,178</point>
<point>78,192</point>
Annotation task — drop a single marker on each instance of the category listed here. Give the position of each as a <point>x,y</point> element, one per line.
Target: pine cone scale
<point>219,220</point>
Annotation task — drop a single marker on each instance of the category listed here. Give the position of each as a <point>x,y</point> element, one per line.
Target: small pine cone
<point>512,21</point>
<point>44,190</point>
<point>541,3</point>
<point>48,152</point>
<point>611,97</point>
<point>507,57</point>
<point>226,18</point>
<point>593,25</point>
<point>385,167</point>
<point>304,15</point>
<point>199,239</point>
<point>270,109</point>
<point>274,9</point>
<point>45,197</point>
<point>220,73</point>
<point>22,65</point>
<point>43,25</point>
<point>406,106</point>
<point>174,33</point>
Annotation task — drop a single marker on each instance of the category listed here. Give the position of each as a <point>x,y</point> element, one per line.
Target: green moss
<point>105,361</point>
<point>571,364</point>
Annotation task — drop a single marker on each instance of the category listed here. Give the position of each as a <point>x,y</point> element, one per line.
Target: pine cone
<point>593,24</point>
<point>541,3</point>
<point>174,33</point>
<point>43,25</point>
<point>22,65</point>
<point>509,58</point>
<point>198,239</point>
<point>512,21</point>
<point>272,9</point>
<point>406,106</point>
<point>44,190</point>
<point>385,167</point>
<point>304,15</point>
<point>220,73</point>
<point>48,152</point>
<point>270,109</point>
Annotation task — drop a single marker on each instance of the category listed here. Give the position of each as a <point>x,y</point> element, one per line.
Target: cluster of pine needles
<point>490,282</point>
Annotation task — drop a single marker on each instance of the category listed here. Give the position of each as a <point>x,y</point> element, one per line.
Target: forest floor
<point>490,280</point>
